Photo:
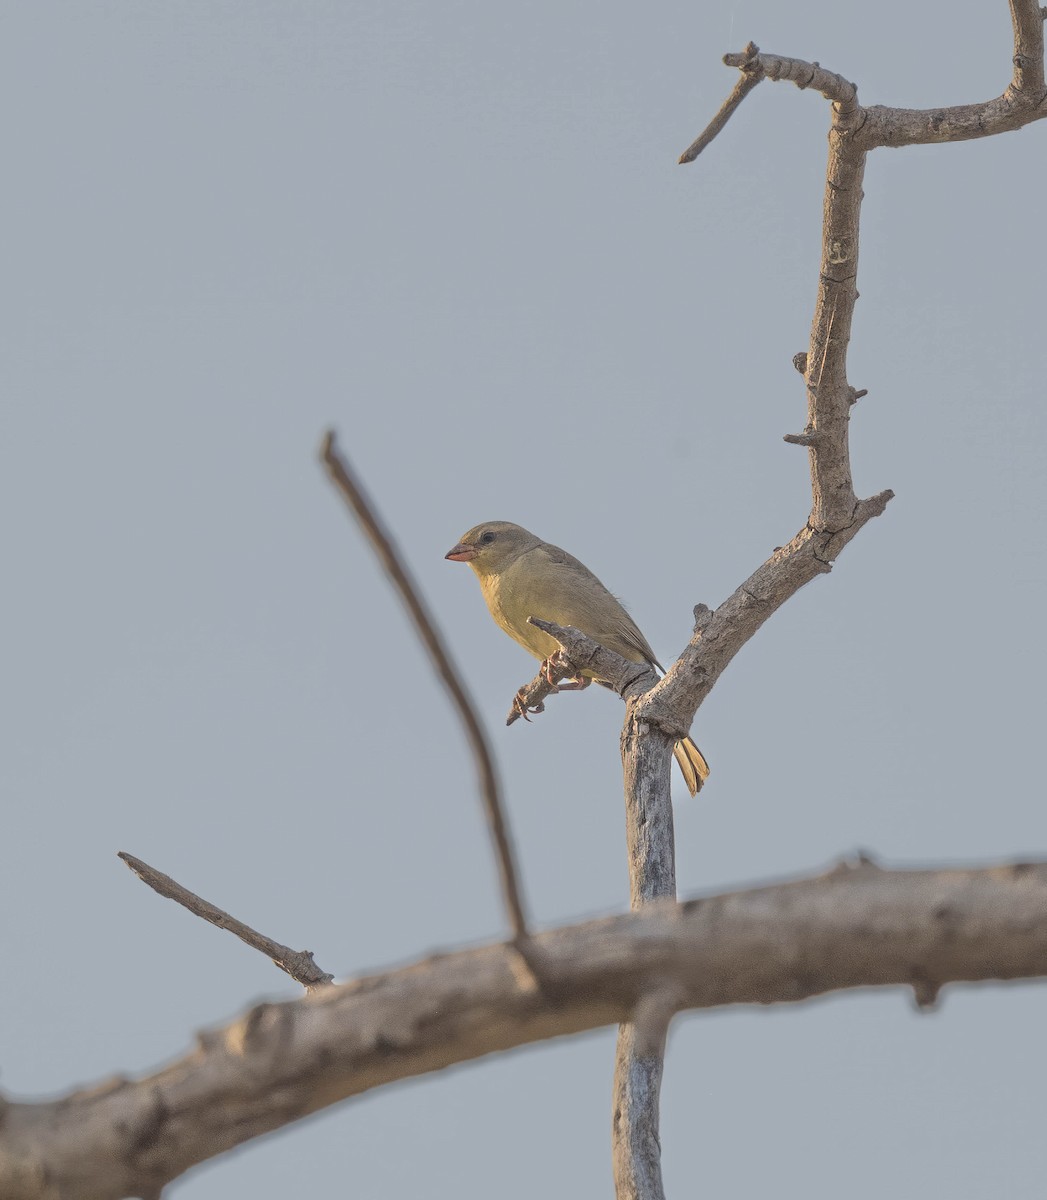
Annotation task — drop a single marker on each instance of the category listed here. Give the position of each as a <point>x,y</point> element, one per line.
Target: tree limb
<point>856,926</point>
<point>1023,101</point>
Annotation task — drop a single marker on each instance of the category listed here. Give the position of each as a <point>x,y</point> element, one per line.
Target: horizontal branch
<point>1024,100</point>
<point>856,926</point>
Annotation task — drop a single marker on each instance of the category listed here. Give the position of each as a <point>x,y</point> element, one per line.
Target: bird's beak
<point>463,552</point>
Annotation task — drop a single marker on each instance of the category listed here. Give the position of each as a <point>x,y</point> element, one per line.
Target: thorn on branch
<point>858,860</point>
<point>925,993</point>
<point>810,438</point>
<point>857,394</point>
<point>875,505</point>
<point>703,616</point>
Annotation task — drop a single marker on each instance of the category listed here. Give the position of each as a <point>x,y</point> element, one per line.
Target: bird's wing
<point>570,594</point>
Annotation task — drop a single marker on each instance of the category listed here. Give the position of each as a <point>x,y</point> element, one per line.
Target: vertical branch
<point>829,396</point>
<point>647,755</point>
<point>640,1054</point>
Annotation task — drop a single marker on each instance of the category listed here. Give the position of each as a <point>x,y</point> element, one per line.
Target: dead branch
<point>299,964</point>
<point>751,74</point>
<point>836,512</point>
<point>856,926</point>
<point>639,1061</point>
<point>640,1048</point>
<point>1024,100</point>
<point>579,651</point>
<point>382,544</point>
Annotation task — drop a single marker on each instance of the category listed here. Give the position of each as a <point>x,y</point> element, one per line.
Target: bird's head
<point>492,546</point>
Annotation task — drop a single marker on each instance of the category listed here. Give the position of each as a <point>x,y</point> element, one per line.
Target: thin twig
<point>352,493</point>
<point>298,964</point>
<point>747,81</point>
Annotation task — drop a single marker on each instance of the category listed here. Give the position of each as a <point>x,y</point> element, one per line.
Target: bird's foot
<point>577,684</point>
<point>520,705</point>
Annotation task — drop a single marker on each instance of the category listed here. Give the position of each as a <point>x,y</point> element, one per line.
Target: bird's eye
<point>486,538</point>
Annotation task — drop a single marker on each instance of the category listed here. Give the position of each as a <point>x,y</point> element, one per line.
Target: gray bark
<point>857,926</point>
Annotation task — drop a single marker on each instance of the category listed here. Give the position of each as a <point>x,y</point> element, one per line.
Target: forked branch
<point>837,514</point>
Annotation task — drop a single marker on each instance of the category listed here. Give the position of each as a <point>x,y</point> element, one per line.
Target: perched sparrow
<point>521,576</point>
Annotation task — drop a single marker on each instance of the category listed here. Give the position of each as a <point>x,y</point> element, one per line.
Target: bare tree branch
<point>1023,101</point>
<point>751,74</point>
<point>636,1151</point>
<point>836,512</point>
<point>298,964</point>
<point>579,651</point>
<point>352,493</point>
<point>856,926</point>
<point>756,67</point>
<point>639,1053</point>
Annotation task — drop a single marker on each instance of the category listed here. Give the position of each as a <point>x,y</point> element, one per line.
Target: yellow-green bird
<point>521,576</point>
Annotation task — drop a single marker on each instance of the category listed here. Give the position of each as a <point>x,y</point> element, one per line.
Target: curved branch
<point>856,926</point>
<point>836,512</point>
<point>1023,101</point>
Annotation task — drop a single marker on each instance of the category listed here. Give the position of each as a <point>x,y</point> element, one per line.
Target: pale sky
<point>456,231</point>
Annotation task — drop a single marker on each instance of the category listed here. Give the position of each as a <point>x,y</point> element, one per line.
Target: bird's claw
<point>523,708</point>
<point>577,684</point>
<point>569,685</point>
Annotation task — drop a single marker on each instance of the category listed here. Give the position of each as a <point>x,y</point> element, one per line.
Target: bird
<point>521,576</point>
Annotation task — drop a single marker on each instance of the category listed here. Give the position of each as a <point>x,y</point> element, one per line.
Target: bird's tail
<point>692,764</point>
